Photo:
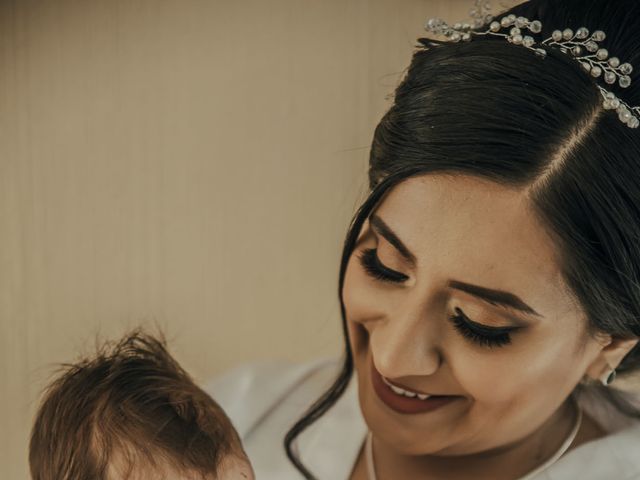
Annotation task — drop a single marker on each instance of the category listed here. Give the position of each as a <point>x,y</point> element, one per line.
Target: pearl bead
<point>577,51</point>
<point>567,34</point>
<point>610,77</point>
<point>591,46</point>
<point>556,35</point>
<point>494,27</point>
<point>466,37</point>
<point>515,31</point>
<point>599,35</point>
<point>536,26</point>
<point>521,22</point>
<point>596,71</point>
<point>433,24</point>
<point>602,54</point>
<point>586,66</point>
<point>625,116</point>
<point>517,39</point>
<point>528,41</point>
<point>582,33</point>
<point>614,62</point>
<point>626,68</point>
<point>625,81</point>
<point>504,21</point>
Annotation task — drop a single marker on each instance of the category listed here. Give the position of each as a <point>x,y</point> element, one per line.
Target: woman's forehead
<point>463,211</point>
<point>475,229</point>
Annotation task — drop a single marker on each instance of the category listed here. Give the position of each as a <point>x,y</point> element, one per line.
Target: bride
<point>490,283</point>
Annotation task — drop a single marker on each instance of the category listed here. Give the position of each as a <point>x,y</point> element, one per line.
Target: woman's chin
<point>420,433</point>
<point>397,433</point>
<point>405,442</point>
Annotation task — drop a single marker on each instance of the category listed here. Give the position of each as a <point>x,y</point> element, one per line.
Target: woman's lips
<point>403,404</point>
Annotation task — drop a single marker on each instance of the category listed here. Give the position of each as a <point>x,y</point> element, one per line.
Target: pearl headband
<point>580,45</point>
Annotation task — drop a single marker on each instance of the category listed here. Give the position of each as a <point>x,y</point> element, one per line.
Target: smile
<point>404,392</point>
<point>405,401</point>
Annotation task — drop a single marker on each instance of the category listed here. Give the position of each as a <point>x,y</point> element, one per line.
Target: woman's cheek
<point>365,303</point>
<point>361,298</point>
<point>485,377</point>
<point>512,381</point>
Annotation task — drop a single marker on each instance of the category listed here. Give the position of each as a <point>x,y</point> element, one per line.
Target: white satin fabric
<point>264,400</point>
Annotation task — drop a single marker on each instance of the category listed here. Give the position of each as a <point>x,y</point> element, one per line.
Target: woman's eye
<point>482,335</point>
<point>371,264</point>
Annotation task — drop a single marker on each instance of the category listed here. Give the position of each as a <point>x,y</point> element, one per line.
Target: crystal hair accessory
<point>581,45</point>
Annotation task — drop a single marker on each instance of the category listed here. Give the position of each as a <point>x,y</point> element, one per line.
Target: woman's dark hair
<point>491,109</point>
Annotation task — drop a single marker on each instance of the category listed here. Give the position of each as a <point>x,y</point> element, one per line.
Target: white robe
<point>264,400</point>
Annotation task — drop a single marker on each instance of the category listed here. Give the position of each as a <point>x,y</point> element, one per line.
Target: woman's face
<point>424,313</point>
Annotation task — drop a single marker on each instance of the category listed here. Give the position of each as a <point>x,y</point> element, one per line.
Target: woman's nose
<point>404,345</point>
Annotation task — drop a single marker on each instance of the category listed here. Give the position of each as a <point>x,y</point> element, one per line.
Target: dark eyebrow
<point>384,230</point>
<point>498,298</point>
<point>495,297</point>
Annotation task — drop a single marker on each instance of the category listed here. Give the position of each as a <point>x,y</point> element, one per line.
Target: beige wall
<point>192,163</point>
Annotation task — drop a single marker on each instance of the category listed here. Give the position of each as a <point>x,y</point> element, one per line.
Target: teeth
<point>398,390</point>
<point>403,392</point>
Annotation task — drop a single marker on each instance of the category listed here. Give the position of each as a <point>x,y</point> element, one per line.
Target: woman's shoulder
<point>265,399</point>
<point>612,455</point>
<point>248,391</point>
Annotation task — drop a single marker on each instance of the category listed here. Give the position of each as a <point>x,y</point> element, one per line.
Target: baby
<point>133,413</point>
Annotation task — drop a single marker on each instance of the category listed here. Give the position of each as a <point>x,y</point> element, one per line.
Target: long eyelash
<point>371,264</point>
<point>483,336</point>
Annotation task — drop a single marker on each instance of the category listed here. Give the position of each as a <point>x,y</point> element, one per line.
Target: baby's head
<point>133,413</point>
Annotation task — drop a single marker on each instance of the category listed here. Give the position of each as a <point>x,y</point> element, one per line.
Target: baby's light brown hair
<point>129,409</point>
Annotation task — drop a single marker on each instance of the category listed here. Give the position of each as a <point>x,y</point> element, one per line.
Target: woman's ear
<point>613,351</point>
